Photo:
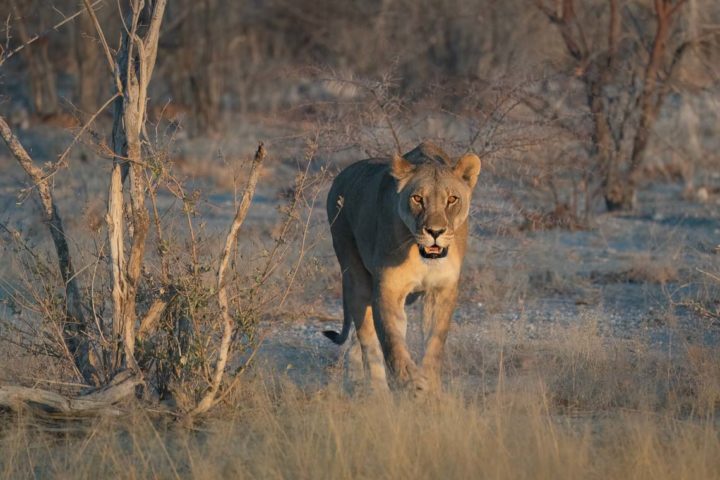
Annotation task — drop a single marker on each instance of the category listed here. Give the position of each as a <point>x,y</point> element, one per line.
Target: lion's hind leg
<point>357,290</point>
<point>357,299</point>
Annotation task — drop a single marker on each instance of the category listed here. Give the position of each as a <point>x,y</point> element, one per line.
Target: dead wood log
<point>98,402</point>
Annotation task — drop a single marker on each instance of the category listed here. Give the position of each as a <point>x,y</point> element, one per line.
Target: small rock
<point>702,195</point>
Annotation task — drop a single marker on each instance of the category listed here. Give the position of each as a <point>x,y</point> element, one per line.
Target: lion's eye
<point>417,199</point>
<point>452,199</point>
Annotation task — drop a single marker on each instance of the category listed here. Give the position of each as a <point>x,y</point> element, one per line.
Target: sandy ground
<point>630,275</point>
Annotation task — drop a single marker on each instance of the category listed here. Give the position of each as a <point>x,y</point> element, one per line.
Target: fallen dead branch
<point>100,401</point>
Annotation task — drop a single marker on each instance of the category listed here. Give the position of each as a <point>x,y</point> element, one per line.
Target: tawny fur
<point>382,212</point>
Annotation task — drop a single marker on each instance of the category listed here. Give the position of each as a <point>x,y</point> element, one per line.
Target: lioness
<point>399,228</point>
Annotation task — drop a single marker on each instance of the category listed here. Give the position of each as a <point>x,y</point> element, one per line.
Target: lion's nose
<point>435,232</point>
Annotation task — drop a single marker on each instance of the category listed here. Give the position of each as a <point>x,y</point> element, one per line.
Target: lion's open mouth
<point>433,251</point>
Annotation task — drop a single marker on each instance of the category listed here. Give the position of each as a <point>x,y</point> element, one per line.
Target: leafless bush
<point>159,326</point>
<point>626,66</point>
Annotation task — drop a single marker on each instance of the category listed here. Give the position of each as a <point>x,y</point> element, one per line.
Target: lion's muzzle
<point>433,251</point>
<point>433,236</point>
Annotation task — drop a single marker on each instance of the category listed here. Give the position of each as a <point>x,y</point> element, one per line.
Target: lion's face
<point>434,200</point>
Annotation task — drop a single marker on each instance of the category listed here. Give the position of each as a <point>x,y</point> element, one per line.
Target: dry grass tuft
<point>647,269</point>
<point>572,405</point>
<point>286,434</point>
<point>643,268</point>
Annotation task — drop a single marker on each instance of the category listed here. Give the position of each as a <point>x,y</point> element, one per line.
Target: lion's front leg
<point>437,312</point>
<point>390,321</point>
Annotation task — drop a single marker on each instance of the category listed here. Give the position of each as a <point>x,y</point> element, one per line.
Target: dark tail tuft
<point>335,337</point>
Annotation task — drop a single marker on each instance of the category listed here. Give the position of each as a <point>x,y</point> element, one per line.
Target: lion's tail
<point>338,338</point>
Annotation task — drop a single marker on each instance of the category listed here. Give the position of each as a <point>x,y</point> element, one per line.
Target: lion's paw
<point>409,376</point>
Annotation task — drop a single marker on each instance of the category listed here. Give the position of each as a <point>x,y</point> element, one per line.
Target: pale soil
<point>629,275</point>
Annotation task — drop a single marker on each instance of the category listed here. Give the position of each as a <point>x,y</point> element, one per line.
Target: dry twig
<point>209,398</point>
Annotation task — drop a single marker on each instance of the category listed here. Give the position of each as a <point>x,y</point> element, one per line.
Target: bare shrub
<point>625,82</point>
<point>642,268</point>
<point>646,269</point>
<point>161,328</point>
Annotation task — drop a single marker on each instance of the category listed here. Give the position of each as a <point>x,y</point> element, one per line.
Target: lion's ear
<point>468,168</point>
<point>401,168</point>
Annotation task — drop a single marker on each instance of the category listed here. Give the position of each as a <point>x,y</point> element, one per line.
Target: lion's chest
<point>436,273</point>
<point>419,274</point>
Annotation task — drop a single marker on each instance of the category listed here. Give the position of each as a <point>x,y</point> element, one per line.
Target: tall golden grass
<point>572,405</point>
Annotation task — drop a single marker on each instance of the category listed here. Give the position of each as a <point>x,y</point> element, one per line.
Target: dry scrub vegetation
<point>566,407</point>
<point>162,290</point>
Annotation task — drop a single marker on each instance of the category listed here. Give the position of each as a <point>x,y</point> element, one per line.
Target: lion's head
<point>434,198</point>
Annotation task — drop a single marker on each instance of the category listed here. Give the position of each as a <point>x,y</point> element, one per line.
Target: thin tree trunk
<point>88,59</point>
<point>117,255</point>
<point>611,160</point>
<point>135,63</point>
<point>648,103</point>
<point>40,70</point>
<point>75,328</point>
